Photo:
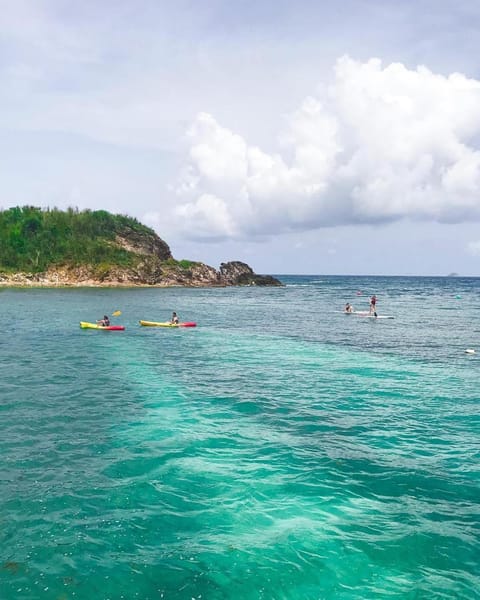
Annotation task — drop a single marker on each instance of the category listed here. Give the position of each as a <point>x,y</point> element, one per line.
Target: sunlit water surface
<point>280,450</point>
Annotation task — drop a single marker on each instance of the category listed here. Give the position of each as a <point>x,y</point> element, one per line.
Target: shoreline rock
<point>147,274</point>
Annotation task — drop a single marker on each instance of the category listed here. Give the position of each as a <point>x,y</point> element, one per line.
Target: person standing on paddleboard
<point>373,305</point>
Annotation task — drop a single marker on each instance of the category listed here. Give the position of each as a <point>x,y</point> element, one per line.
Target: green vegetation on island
<point>33,240</point>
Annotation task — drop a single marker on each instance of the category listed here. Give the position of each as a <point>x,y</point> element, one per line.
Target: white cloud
<point>380,144</point>
<point>474,248</point>
<point>217,224</point>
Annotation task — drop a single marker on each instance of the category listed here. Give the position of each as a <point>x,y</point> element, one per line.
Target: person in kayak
<point>174,320</point>
<point>348,308</point>
<point>373,305</point>
<point>105,322</point>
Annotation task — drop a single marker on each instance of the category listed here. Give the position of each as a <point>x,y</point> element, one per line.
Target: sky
<point>299,137</point>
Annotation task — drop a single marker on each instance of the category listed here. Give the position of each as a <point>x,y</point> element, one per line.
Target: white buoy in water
<point>470,351</point>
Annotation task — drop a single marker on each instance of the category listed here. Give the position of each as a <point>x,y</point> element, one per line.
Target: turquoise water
<point>280,450</point>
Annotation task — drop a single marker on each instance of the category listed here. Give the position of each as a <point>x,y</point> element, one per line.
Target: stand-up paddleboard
<point>377,317</point>
<point>167,324</point>
<point>360,313</point>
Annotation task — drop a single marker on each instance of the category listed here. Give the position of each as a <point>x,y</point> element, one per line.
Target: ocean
<point>280,450</point>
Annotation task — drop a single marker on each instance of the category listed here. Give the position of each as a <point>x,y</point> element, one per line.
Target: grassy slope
<point>32,240</point>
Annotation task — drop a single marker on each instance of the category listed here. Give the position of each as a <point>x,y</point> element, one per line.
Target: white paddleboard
<point>354,312</point>
<point>378,317</point>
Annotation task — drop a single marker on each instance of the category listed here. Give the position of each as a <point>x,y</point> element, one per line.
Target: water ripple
<point>324,461</point>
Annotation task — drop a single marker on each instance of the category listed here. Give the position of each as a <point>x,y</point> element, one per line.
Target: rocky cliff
<point>150,272</point>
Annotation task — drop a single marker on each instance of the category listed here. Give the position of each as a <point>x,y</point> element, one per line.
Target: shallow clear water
<point>280,450</point>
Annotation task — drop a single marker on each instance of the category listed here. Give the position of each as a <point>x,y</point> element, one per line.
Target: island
<point>52,247</point>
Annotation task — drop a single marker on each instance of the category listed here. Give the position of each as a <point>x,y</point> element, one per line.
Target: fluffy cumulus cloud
<point>381,143</point>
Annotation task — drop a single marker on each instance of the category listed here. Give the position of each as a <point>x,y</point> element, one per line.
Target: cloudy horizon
<point>299,139</point>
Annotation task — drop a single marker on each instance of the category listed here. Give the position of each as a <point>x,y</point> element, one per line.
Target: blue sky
<point>307,137</point>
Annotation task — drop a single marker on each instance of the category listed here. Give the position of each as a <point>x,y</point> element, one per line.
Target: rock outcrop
<point>239,273</point>
<point>149,272</point>
<point>143,244</point>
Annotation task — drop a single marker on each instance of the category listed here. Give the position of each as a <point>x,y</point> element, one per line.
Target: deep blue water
<point>280,450</point>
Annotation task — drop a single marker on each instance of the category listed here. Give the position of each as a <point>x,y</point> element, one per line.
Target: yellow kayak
<point>85,325</point>
<point>167,324</point>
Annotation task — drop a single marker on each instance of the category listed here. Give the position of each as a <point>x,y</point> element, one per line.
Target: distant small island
<point>453,275</point>
<point>51,247</point>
